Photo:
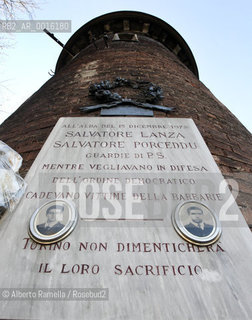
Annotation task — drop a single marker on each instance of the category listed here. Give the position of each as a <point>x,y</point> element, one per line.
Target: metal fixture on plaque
<point>102,92</point>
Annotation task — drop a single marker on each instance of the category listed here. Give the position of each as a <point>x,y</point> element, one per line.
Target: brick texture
<point>228,140</point>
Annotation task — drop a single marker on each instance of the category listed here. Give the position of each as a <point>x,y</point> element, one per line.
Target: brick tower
<point>141,48</point>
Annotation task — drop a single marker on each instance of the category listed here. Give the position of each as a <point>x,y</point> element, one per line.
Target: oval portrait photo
<point>55,218</point>
<point>195,222</point>
<point>53,221</point>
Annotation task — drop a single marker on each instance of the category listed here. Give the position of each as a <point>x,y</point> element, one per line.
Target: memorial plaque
<point>141,187</point>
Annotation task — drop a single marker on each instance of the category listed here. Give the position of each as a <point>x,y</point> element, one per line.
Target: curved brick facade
<point>148,59</point>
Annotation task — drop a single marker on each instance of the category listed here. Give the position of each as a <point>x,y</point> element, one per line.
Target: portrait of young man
<point>53,224</point>
<point>197,225</point>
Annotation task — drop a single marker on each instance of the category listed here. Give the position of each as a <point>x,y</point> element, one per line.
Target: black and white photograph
<point>53,221</point>
<point>196,223</point>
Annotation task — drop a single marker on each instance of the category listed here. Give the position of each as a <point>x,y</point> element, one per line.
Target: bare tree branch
<point>10,8</point>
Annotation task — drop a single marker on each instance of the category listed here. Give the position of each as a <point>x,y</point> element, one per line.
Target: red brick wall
<point>229,142</point>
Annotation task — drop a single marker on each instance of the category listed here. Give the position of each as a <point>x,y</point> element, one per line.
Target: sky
<point>218,32</point>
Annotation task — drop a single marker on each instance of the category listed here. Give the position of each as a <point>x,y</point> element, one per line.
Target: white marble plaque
<point>126,177</point>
